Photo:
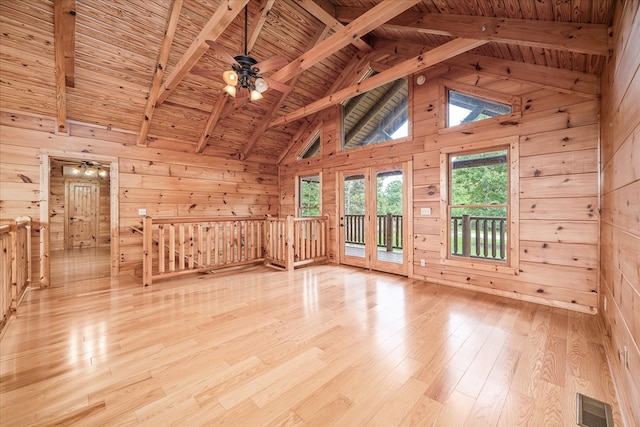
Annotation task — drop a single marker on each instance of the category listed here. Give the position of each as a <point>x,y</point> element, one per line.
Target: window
<point>309,195</point>
<point>463,108</point>
<point>479,203</point>
<point>312,149</point>
<point>379,115</point>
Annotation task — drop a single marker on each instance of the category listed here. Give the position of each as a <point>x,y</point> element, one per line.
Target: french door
<point>373,218</point>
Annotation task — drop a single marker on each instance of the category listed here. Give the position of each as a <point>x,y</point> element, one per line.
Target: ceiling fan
<point>245,76</point>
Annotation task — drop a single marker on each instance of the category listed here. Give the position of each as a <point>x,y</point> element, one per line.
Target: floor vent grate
<point>592,413</point>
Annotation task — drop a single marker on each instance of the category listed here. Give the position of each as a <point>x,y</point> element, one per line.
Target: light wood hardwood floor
<point>323,345</point>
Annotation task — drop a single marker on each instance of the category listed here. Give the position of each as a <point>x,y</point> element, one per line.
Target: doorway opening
<point>79,217</point>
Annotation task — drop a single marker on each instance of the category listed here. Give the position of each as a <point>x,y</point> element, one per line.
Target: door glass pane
<point>354,203</point>
<point>389,222</point>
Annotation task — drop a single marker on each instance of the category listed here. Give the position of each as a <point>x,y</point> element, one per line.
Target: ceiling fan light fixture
<point>254,95</point>
<point>261,85</point>
<point>230,77</point>
<point>231,90</point>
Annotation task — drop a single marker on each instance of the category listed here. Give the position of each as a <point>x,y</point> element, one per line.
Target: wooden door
<point>81,222</point>
<point>373,228</point>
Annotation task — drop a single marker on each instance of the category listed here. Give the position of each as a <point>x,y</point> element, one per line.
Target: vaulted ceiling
<point>150,68</point>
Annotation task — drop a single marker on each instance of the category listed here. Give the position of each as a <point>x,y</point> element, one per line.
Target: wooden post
<point>147,251</point>
<point>466,235</point>
<point>289,254</point>
<point>389,232</point>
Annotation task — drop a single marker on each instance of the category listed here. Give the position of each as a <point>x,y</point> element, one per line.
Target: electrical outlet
<point>423,263</point>
<point>425,211</point>
<point>142,212</point>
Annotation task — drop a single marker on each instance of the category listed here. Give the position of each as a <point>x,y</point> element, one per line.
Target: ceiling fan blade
<point>221,52</point>
<point>280,87</point>
<point>271,64</point>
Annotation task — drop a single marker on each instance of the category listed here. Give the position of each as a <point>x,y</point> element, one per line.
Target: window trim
<point>445,85</point>
<point>512,265</point>
<point>317,132</point>
<point>297,197</point>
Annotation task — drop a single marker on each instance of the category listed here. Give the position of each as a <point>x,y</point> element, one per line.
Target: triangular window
<point>313,147</point>
<point>464,108</point>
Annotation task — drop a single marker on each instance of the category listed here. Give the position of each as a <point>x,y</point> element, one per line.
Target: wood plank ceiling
<point>145,68</point>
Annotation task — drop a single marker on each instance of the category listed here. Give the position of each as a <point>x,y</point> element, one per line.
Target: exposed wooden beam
<point>212,121</point>
<point>557,79</point>
<point>368,21</point>
<point>331,22</point>
<point>220,20</point>
<point>64,45</point>
<point>256,27</point>
<point>158,75</point>
<point>420,62</point>
<point>565,36</point>
<point>273,109</point>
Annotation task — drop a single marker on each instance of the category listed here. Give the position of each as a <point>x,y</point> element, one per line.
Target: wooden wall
<point>558,178</point>
<point>620,190</point>
<point>165,183</point>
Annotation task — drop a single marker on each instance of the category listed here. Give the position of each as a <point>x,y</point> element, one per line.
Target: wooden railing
<point>15,264</point>
<point>292,242</point>
<point>177,246</point>
<point>479,236</point>
<point>388,230</point>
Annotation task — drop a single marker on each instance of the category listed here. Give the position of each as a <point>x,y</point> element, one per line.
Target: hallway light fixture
<point>85,169</point>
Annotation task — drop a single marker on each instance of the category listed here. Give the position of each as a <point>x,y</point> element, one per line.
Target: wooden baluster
<point>216,244</point>
<point>485,237</point>
<point>493,239</point>
<point>172,247</point>
<point>208,243</point>
<point>200,245</point>
<point>181,247</point>
<point>466,235</point>
<point>161,247</point>
<point>147,248</point>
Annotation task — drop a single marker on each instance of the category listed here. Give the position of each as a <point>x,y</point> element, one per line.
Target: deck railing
<point>479,236</point>
<point>178,246</point>
<point>388,230</point>
<point>15,264</point>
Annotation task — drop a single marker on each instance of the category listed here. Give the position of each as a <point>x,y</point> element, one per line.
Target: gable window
<point>463,108</point>
<point>378,115</point>
<point>479,204</point>
<point>308,195</point>
<point>312,149</point>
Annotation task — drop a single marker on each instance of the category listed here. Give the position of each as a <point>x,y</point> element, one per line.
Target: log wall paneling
<point>558,184</point>
<point>620,225</point>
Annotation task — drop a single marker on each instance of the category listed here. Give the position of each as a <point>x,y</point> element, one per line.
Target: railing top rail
<point>5,228</point>
<point>480,217</point>
<point>19,222</point>
<point>311,218</point>
<point>186,220</point>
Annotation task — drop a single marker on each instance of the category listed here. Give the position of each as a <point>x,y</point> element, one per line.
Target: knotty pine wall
<point>558,178</point>
<point>620,189</point>
<point>165,183</point>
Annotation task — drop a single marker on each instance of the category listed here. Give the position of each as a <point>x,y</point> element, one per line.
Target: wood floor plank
<point>323,345</point>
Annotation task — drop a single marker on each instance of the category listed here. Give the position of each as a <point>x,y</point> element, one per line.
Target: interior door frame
<point>114,208</point>
<point>370,260</point>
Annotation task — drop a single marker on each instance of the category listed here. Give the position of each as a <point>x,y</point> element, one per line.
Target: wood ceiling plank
<point>331,22</point>
<point>220,20</point>
<point>165,49</point>
<point>365,23</point>
<point>256,27</point>
<point>212,121</point>
<point>556,35</point>
<point>420,62</point>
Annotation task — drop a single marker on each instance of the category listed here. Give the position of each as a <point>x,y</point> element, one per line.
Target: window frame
<point>316,134</point>
<point>445,85</point>
<point>298,198</point>
<point>512,263</point>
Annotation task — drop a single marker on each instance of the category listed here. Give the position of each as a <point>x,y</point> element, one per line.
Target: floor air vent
<point>592,412</point>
